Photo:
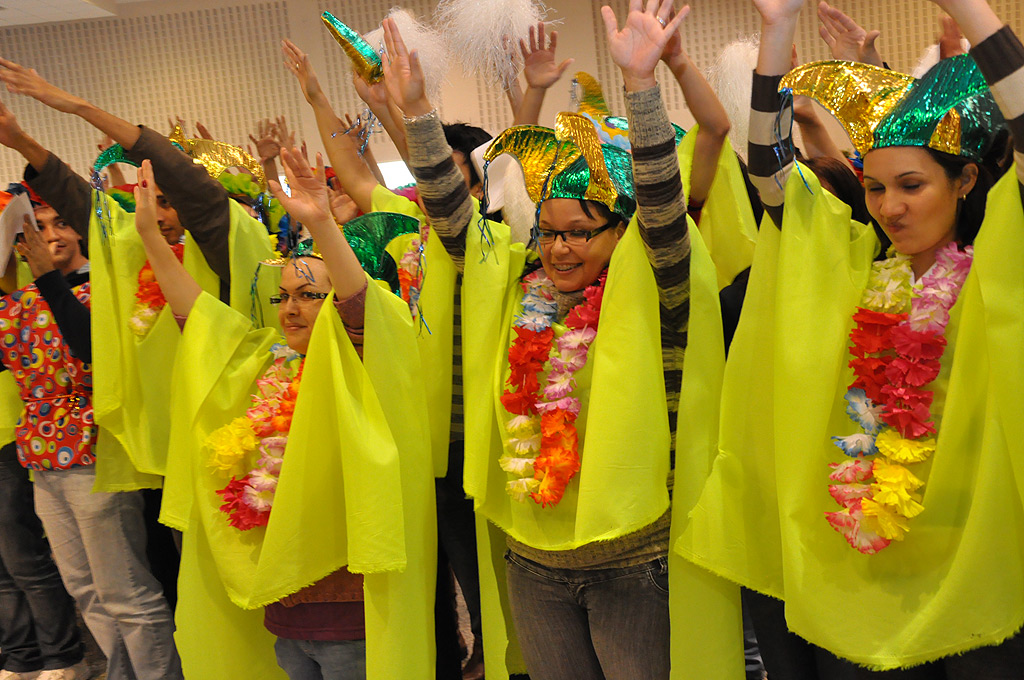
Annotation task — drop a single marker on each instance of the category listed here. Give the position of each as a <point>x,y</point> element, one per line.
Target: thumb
<point>869,40</point>
<point>564,65</point>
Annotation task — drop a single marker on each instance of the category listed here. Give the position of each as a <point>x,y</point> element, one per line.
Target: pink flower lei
<point>898,341</point>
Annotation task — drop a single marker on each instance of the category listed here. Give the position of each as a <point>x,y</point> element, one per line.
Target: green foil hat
<point>949,109</point>
<point>365,60</point>
<point>369,236</point>
<point>569,162</point>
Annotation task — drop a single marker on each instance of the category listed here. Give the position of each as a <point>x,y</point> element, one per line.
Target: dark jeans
<point>789,657</point>
<point>456,532</point>
<point>37,616</point>
<point>591,624</point>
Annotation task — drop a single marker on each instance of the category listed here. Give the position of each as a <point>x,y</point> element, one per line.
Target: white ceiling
<point>20,12</point>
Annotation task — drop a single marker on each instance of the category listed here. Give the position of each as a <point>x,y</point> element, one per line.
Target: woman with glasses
<point>303,522</point>
<point>572,364</point>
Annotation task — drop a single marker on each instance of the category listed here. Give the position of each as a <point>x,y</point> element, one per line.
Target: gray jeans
<point>99,545</point>
<point>591,624</point>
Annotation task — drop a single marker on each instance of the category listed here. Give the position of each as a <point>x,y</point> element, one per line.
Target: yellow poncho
<point>355,490</point>
<point>760,520</point>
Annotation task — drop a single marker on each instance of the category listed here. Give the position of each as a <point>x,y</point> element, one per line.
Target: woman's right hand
<point>308,202</point>
<point>298,63</point>
<point>145,203</point>
<point>403,74</point>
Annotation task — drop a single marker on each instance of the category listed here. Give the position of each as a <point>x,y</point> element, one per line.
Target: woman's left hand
<point>637,48</point>
<point>35,250</point>
<point>308,203</point>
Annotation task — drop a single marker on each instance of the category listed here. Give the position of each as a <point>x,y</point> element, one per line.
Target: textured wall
<point>219,61</point>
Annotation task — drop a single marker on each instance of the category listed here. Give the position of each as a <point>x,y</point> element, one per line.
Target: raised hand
<point>298,63</point>
<point>202,131</point>
<point>343,208</point>
<point>403,74</point>
<point>949,41</point>
<point>638,46</point>
<point>11,134</point>
<point>540,68</point>
<point>847,39</point>
<point>265,140</point>
<point>35,250</point>
<point>22,80</point>
<point>145,204</point>
<point>309,202</point>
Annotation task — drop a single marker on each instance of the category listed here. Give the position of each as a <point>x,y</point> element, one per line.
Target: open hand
<point>22,80</point>
<point>403,74</point>
<point>265,140</point>
<point>539,65</point>
<point>145,203</point>
<point>35,250</point>
<point>847,39</point>
<point>308,203</point>
<point>638,46</point>
<point>950,39</point>
<point>298,63</point>
<point>11,134</point>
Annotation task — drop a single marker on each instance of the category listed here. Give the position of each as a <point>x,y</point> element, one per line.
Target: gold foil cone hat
<point>365,60</point>
<point>949,109</point>
<point>569,161</point>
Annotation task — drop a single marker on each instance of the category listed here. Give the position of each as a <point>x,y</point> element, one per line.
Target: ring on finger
<point>662,22</point>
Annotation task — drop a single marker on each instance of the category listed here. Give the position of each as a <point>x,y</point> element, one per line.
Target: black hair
<point>464,138</point>
<point>971,211</point>
<point>602,211</point>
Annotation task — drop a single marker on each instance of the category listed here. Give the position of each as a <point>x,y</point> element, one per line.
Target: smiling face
<point>914,200</point>
<point>295,314</point>
<point>65,244</point>
<point>574,267</point>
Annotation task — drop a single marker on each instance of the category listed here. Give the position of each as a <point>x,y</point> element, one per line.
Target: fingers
<point>652,6</point>
<point>541,42</point>
<point>564,65</point>
<point>524,50</point>
<point>827,36</point>
<point>665,10</point>
<point>677,21</point>
<point>870,38</point>
<point>611,24</point>
<point>320,173</point>
<point>554,41</point>
<point>533,40</point>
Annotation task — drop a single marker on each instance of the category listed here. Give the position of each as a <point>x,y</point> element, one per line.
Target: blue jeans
<point>322,660</point>
<point>37,617</point>
<point>591,624</point>
<point>99,545</point>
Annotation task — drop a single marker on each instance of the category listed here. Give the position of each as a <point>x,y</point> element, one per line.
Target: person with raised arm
<point>868,459</point>
<point>581,497</point>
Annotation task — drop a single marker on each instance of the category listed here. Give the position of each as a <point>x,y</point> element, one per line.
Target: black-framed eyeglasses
<point>300,297</point>
<point>573,237</point>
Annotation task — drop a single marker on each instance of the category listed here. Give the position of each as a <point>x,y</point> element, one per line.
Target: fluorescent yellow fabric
<point>727,220</point>
<point>345,496</point>
<point>132,375</point>
<point>613,494</point>
<point>10,407</point>
<point>707,626</point>
<point>938,592</point>
<point>435,334</point>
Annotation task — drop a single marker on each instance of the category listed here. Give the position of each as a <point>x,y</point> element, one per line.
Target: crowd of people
<point>653,408</point>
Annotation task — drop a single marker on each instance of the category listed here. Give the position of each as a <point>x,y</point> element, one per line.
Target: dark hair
<point>602,211</point>
<point>464,138</point>
<point>971,211</point>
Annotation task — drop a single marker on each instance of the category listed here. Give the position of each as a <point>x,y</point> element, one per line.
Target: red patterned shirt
<point>56,430</point>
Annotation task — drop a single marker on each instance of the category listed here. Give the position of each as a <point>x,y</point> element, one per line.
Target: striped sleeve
<point>1001,59</point>
<point>769,160</point>
<point>661,208</point>
<point>441,186</point>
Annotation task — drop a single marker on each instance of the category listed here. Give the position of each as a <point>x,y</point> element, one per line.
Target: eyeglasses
<point>300,297</point>
<point>573,237</point>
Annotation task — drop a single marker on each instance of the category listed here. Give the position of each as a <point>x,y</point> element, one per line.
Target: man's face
<point>65,244</point>
<point>167,219</point>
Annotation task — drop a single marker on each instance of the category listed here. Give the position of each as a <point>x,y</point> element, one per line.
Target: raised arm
<point>770,160</point>
<point>309,204</point>
<point>1000,55</point>
<point>69,194</point>
<point>201,202</point>
<point>661,203</point>
<point>342,149</point>
<point>541,71</point>
<point>708,112</point>
<point>816,139</point>
<point>442,188</point>
<point>847,39</point>
<point>179,288</point>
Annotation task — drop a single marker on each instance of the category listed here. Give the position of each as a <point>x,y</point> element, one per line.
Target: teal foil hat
<point>369,236</point>
<point>569,161</point>
<point>949,109</point>
<point>365,60</point>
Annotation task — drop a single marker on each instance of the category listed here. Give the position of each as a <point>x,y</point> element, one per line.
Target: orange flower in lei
<point>149,299</point>
<point>542,452</point>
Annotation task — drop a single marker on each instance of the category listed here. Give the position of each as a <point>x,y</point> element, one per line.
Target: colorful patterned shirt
<point>56,430</point>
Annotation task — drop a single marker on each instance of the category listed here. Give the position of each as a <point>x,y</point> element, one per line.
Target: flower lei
<point>898,340</point>
<point>543,449</point>
<point>256,443</point>
<point>149,299</point>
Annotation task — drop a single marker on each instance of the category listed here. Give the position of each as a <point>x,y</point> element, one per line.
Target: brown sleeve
<point>352,311</point>
<point>202,203</point>
<point>68,193</point>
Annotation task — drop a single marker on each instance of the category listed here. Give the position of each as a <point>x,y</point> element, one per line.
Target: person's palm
<point>638,46</point>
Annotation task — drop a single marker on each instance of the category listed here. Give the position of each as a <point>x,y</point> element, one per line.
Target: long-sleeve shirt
<point>201,201</point>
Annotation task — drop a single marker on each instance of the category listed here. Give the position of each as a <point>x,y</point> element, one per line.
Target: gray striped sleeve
<point>1001,59</point>
<point>769,160</point>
